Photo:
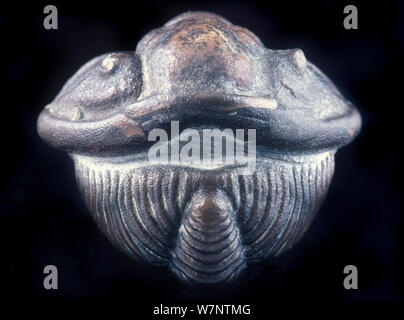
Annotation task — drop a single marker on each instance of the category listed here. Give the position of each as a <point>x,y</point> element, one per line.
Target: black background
<point>43,220</point>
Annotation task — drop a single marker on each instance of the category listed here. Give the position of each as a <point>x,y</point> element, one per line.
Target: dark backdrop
<point>43,220</point>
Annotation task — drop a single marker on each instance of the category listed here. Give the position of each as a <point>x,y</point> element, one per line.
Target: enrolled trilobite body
<point>205,221</point>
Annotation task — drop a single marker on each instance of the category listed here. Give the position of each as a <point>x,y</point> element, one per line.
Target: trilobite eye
<point>109,64</point>
<point>298,59</point>
<point>99,88</point>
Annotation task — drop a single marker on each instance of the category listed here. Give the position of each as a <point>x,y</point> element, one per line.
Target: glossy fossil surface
<point>205,223</point>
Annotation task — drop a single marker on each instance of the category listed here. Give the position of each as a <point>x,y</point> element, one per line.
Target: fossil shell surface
<point>205,222</point>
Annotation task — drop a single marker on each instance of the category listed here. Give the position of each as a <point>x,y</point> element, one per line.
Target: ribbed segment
<point>139,213</point>
<point>205,224</point>
<point>283,202</point>
<point>209,245</point>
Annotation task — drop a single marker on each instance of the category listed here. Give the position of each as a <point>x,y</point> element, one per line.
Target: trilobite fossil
<point>205,222</point>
